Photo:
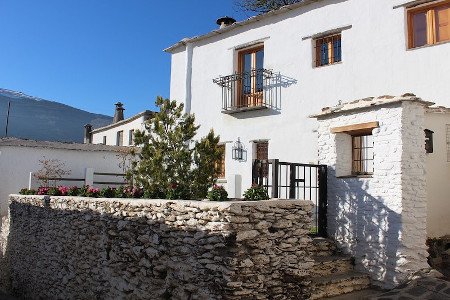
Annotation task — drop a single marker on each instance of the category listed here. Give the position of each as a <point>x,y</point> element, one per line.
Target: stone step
<point>332,265</point>
<point>334,285</point>
<point>324,247</point>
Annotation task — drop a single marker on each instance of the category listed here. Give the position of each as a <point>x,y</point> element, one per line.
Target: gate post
<point>275,177</point>
<point>292,181</point>
<point>323,202</point>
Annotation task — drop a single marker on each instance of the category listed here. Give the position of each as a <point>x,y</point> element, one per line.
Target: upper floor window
<point>251,70</point>
<point>119,141</point>
<point>328,50</point>
<point>429,24</point>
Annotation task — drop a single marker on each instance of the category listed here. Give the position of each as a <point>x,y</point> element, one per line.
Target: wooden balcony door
<point>250,86</point>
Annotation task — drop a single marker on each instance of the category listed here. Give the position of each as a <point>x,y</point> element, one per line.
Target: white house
<point>258,80</point>
<point>120,132</point>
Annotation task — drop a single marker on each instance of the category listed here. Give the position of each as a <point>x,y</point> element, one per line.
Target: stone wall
<point>379,219</point>
<point>72,247</point>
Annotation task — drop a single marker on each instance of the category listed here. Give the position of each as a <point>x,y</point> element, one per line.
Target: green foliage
<point>27,192</point>
<point>168,166</point>
<point>263,6</point>
<point>256,192</point>
<point>218,193</point>
<point>108,192</point>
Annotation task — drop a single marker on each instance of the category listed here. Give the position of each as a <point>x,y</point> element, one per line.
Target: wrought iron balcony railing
<point>246,91</point>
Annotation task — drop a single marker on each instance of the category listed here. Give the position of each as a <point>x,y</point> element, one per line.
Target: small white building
<point>120,132</point>
<point>258,80</point>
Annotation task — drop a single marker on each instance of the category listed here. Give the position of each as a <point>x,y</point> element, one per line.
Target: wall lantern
<point>238,150</point>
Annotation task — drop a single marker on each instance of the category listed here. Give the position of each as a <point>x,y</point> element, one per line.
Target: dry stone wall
<point>72,247</point>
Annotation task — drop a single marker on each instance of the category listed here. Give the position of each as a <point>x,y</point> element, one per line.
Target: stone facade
<point>72,247</point>
<point>379,219</point>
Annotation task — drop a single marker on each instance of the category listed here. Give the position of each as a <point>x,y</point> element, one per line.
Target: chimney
<point>225,21</point>
<point>118,114</point>
<point>88,134</point>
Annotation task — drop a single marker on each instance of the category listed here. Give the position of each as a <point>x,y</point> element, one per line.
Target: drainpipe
<point>188,84</point>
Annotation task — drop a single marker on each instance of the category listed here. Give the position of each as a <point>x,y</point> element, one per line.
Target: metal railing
<point>246,90</point>
<point>296,181</point>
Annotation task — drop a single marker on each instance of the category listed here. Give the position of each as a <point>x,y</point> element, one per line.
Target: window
<point>362,154</point>
<point>251,68</point>
<point>131,137</point>
<point>119,141</point>
<point>262,150</point>
<point>448,142</point>
<point>104,140</point>
<point>328,50</point>
<point>428,25</point>
<point>222,162</point>
<point>428,141</point>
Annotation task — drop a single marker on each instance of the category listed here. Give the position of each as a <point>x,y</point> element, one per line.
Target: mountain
<point>39,119</point>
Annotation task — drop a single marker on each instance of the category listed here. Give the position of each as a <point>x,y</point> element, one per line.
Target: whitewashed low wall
<point>380,220</point>
<point>20,157</point>
<point>84,248</point>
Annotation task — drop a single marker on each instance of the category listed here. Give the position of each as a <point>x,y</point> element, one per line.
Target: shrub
<point>27,192</point>
<point>73,191</point>
<point>92,192</point>
<point>256,192</point>
<point>108,192</point>
<point>217,193</point>
<point>53,191</point>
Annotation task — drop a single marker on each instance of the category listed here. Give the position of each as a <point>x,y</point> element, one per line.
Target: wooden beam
<point>355,128</point>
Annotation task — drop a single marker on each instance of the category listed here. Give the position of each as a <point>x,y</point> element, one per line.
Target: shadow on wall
<point>66,254</point>
<point>365,227</point>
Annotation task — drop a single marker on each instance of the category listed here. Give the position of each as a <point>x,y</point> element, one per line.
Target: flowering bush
<point>256,192</point>
<point>217,193</point>
<point>27,192</point>
<point>73,191</point>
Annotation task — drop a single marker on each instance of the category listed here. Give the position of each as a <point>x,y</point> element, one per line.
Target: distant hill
<point>39,119</point>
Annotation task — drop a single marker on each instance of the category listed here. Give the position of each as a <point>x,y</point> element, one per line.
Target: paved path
<point>427,288</point>
<point>423,289</point>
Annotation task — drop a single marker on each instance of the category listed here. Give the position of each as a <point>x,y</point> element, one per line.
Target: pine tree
<point>168,166</point>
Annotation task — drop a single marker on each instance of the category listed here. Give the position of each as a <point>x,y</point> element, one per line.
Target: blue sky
<point>91,53</point>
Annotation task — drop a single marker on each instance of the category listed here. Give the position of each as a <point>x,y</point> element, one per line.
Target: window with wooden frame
<point>327,50</point>
<point>222,162</point>
<point>104,140</point>
<point>119,141</point>
<point>429,24</point>
<point>262,153</point>
<point>131,137</point>
<point>362,154</point>
<point>251,70</point>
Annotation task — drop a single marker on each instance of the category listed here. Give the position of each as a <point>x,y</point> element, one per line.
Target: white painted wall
<point>438,174</point>
<point>381,221</point>
<point>374,62</point>
<point>111,133</point>
<point>17,162</point>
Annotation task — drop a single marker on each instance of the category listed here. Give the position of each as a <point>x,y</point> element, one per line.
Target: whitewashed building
<point>258,80</point>
<point>120,132</point>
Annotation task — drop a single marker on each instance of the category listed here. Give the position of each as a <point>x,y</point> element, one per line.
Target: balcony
<point>246,91</point>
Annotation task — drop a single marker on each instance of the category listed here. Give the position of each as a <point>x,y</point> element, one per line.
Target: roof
<point>438,109</point>
<point>15,142</point>
<point>233,26</point>
<point>113,125</point>
<point>369,102</point>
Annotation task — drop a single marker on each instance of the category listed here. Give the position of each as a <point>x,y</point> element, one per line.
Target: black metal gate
<point>296,181</point>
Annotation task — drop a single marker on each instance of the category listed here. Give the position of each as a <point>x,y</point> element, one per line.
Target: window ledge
<point>356,176</point>
<point>327,65</point>
<point>427,46</point>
